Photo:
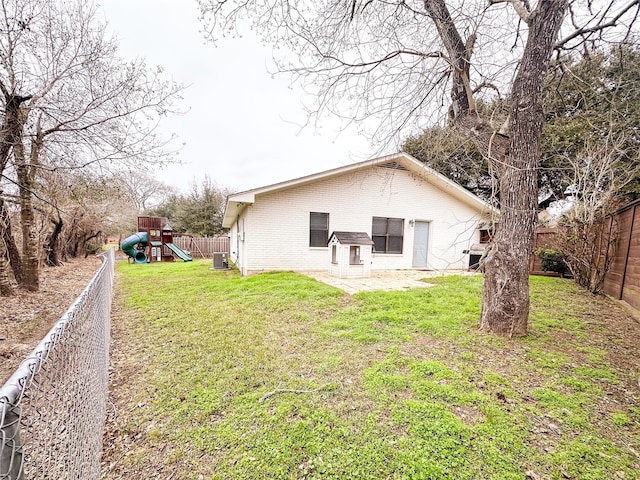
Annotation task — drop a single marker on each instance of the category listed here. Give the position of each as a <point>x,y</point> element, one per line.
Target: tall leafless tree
<point>141,189</point>
<point>395,61</point>
<point>589,236</point>
<point>70,102</point>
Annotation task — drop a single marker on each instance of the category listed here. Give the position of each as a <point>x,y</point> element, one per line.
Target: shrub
<point>552,261</point>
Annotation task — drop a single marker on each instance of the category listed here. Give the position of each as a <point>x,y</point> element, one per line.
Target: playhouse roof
<point>166,225</point>
<point>352,238</point>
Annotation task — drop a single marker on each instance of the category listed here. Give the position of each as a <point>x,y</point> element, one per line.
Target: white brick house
<point>416,217</point>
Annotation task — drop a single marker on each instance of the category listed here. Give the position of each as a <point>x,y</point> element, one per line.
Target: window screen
<point>318,229</point>
<point>387,234</point>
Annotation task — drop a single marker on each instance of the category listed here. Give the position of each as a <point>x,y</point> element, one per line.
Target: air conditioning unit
<point>220,261</point>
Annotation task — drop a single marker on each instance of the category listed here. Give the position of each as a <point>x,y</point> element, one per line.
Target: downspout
<point>242,240</point>
<point>237,260</point>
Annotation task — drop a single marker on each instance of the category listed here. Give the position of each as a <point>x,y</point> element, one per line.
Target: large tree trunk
<point>505,294</point>
<point>10,133</point>
<point>52,248</point>
<point>514,152</point>
<point>30,280</point>
<point>25,173</point>
<point>12,124</point>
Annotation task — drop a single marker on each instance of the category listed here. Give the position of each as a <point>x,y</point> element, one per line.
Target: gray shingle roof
<point>352,238</point>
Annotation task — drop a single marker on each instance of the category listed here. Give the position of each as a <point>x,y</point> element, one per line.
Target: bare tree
<point>142,189</point>
<point>70,102</point>
<point>395,60</point>
<point>589,236</point>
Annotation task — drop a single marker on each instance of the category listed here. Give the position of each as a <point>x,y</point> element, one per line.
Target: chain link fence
<point>52,409</point>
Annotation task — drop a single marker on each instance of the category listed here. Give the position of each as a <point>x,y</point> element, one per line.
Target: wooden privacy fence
<point>622,281</point>
<point>203,247</point>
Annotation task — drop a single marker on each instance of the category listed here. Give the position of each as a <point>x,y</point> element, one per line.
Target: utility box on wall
<point>350,254</point>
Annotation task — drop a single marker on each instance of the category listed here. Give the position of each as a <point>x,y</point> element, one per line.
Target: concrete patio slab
<point>385,280</point>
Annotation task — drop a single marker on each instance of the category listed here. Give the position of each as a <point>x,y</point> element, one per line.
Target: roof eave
<point>237,202</point>
<point>233,209</point>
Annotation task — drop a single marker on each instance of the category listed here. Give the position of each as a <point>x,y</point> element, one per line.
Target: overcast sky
<point>243,126</point>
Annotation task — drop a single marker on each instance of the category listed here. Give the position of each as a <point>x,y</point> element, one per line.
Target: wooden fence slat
<point>623,280</point>
<point>626,259</point>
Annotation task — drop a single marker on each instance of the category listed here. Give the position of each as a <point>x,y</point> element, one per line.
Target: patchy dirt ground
<point>26,317</point>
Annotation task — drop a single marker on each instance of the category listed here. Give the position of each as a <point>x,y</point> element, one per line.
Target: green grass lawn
<point>280,376</point>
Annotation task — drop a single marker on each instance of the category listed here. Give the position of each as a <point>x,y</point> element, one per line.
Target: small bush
<point>552,261</point>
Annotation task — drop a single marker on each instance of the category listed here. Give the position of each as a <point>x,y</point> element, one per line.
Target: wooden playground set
<point>153,242</point>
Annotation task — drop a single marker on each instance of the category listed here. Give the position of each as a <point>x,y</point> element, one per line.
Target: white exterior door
<point>420,244</point>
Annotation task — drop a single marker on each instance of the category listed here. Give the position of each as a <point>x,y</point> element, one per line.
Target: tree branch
<point>32,192</point>
<point>326,388</point>
<point>586,31</point>
<point>459,53</point>
<point>521,8</point>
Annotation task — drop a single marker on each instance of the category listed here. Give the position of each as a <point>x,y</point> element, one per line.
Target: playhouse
<point>153,242</point>
<point>350,254</point>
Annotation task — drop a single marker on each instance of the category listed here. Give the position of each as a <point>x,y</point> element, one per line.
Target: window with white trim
<point>318,229</point>
<point>387,234</point>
